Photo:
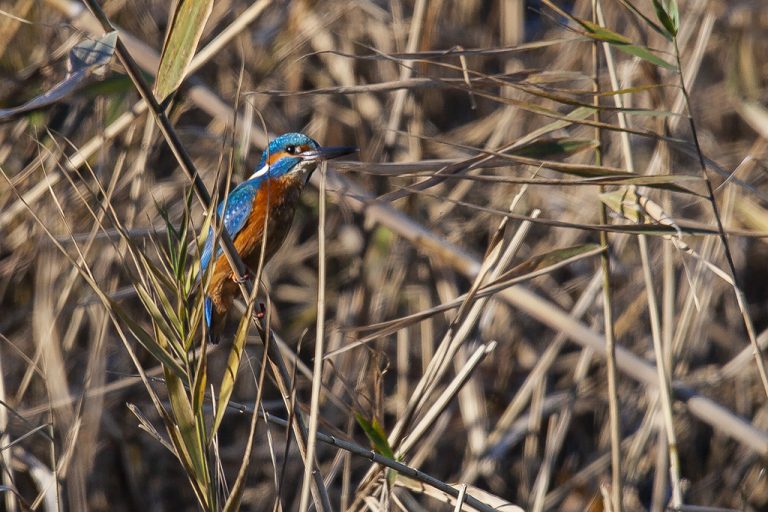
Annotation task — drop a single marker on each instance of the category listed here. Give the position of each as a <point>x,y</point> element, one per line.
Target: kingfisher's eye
<point>291,149</point>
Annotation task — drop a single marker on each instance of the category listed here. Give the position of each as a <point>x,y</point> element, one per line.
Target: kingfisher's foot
<point>240,280</point>
<point>262,312</point>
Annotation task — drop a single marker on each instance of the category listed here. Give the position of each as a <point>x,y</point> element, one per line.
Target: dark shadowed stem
<point>605,265</point>
<point>740,299</point>
<point>186,164</point>
<point>371,455</point>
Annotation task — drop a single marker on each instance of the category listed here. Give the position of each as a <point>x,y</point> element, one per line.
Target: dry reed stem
<point>317,371</point>
<point>614,417</point>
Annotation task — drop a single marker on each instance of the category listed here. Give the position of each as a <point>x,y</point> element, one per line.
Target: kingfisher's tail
<point>214,322</point>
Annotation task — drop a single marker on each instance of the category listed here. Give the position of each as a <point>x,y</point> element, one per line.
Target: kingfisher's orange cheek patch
<point>274,157</point>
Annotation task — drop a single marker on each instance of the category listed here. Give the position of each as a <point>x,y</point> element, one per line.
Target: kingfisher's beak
<point>327,153</point>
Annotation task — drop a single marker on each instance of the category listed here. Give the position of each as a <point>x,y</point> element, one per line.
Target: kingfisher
<point>267,198</point>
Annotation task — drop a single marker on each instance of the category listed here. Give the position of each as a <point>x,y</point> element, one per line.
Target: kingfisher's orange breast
<point>273,206</point>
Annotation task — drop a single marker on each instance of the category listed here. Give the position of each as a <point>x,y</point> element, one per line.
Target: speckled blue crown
<point>283,141</point>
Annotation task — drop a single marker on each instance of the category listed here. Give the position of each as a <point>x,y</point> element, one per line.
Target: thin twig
<point>605,267</point>
<point>737,287</point>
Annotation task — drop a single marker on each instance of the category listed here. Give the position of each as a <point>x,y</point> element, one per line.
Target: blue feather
<point>208,312</point>
<point>212,331</point>
<point>239,206</point>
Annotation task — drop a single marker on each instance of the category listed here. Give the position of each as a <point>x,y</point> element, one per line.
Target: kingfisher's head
<point>295,154</point>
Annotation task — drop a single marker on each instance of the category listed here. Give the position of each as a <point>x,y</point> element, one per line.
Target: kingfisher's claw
<point>262,312</point>
<point>240,280</point>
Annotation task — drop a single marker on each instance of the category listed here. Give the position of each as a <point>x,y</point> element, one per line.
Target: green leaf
<point>115,84</point>
<point>383,239</point>
<point>376,435</point>
<point>668,15</point>
<point>674,13</point>
<point>199,384</point>
<point>645,54</point>
<point>158,319</point>
<point>195,316</point>
<point>602,33</point>
<point>554,147</point>
<point>184,34</point>
<point>623,44</point>
<point>646,19</point>
<point>180,448</point>
<point>191,444</point>
<point>145,340</point>
<point>636,89</point>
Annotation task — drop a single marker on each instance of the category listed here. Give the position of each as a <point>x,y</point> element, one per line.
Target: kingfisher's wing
<point>239,206</point>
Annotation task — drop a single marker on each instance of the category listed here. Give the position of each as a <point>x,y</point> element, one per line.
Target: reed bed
<point>540,284</point>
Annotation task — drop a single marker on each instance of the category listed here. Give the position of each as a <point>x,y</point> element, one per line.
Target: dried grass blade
<point>529,269</point>
<point>186,29</point>
<point>89,58</point>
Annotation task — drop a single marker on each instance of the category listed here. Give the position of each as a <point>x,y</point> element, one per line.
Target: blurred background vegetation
<point>480,152</point>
